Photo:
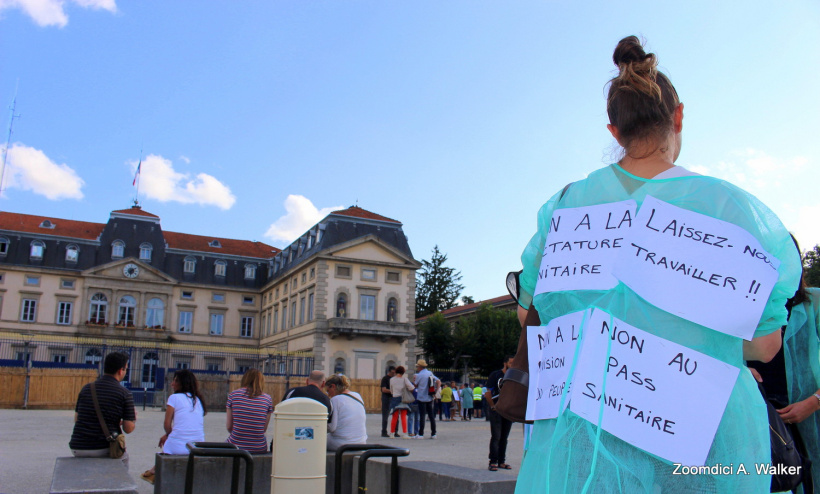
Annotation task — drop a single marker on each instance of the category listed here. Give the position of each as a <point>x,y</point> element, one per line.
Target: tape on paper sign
<point>659,396</point>
<point>700,268</point>
<point>582,245</point>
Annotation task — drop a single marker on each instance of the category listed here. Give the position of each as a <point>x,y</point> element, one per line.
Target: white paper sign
<point>551,349</point>
<point>659,396</point>
<point>582,245</point>
<point>703,269</point>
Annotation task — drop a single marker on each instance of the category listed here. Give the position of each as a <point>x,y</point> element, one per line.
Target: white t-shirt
<point>674,172</point>
<point>187,426</point>
<point>348,423</point>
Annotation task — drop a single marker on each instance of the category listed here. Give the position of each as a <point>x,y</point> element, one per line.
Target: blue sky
<point>457,118</point>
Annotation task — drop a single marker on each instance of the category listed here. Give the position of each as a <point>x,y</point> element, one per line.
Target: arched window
<point>38,248</point>
<point>72,253</point>
<point>149,369</point>
<point>339,366</point>
<point>98,309</point>
<point>93,356</point>
<point>250,271</point>
<point>392,309</point>
<point>220,268</point>
<point>190,264</point>
<point>145,251</point>
<point>341,306</point>
<point>155,313</point>
<point>4,246</point>
<point>117,249</point>
<point>128,305</point>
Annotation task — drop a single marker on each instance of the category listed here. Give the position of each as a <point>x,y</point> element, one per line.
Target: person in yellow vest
<point>476,400</point>
<point>446,399</point>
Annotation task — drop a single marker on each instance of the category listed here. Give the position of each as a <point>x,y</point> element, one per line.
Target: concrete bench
<point>213,475</point>
<point>97,475</point>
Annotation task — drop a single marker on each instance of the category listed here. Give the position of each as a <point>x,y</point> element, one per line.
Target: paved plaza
<point>30,440</point>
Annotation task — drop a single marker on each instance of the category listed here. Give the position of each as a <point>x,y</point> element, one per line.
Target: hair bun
<point>630,52</point>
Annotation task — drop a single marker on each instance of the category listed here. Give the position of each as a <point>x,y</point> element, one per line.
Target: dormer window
<point>117,249</point>
<point>4,246</point>
<point>47,224</point>
<point>145,251</point>
<point>72,253</point>
<point>215,243</point>
<point>38,248</point>
<point>220,268</point>
<point>250,271</point>
<point>190,264</point>
<point>310,241</point>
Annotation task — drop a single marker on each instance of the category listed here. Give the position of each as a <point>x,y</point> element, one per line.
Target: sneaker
<point>397,436</point>
<point>384,434</point>
<point>433,436</point>
<point>420,436</point>
<point>411,436</point>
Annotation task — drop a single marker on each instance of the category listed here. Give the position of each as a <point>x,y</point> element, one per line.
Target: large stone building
<point>339,298</point>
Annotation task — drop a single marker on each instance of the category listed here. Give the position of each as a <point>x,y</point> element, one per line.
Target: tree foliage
<point>436,338</point>
<point>437,286</point>
<point>811,266</point>
<point>487,336</point>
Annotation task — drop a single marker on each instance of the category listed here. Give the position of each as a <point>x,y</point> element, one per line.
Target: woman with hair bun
<point>248,413</point>
<point>571,454</point>
<point>347,424</point>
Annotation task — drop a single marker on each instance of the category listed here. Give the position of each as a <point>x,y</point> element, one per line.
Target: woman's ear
<point>677,119</point>
<point>614,131</point>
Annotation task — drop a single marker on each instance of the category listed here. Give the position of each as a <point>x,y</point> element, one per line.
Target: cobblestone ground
<point>30,440</point>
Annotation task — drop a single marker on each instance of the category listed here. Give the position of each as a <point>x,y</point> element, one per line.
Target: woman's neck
<point>650,165</point>
<point>645,168</point>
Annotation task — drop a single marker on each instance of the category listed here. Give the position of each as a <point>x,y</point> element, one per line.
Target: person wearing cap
<point>422,382</point>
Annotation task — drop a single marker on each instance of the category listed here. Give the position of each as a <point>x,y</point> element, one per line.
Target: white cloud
<point>52,12</point>
<point>786,185</point>
<point>184,158</point>
<point>30,169</point>
<point>159,180</point>
<point>301,215</point>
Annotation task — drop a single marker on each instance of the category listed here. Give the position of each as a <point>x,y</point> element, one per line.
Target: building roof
<point>200,243</point>
<point>463,310</point>
<point>28,223</point>
<point>91,231</point>
<point>136,211</point>
<point>357,212</point>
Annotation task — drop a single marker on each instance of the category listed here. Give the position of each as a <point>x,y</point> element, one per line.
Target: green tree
<point>467,300</point>
<point>811,266</point>
<point>436,338</point>
<point>437,286</point>
<point>489,335</point>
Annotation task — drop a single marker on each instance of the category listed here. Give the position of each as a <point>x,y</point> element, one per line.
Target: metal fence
<point>150,362</point>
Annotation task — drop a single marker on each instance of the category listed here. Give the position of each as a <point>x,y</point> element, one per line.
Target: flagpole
<point>137,181</point>
<point>8,140</point>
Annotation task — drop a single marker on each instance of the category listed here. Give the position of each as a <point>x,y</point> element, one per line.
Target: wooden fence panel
<point>54,389</point>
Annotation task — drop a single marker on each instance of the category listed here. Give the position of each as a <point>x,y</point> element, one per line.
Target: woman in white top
<point>347,425</point>
<point>184,415</point>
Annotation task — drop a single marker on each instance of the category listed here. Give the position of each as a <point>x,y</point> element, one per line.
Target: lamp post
<point>465,377</point>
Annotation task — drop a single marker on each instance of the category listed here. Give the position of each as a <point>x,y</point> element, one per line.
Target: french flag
<point>137,175</point>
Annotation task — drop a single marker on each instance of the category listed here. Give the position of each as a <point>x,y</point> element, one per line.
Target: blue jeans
<point>445,407</point>
<point>413,419</point>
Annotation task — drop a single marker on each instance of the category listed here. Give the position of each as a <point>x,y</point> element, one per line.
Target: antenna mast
<point>8,140</point>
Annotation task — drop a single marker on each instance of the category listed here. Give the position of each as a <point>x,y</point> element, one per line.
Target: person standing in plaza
<point>386,395</point>
<point>446,400</point>
<point>466,402</point>
<point>456,411</point>
<point>477,392</point>
<point>426,384</point>
<point>499,426</point>
<point>116,405</point>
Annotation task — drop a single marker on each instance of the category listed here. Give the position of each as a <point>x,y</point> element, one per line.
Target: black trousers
<point>499,432</point>
<point>426,410</point>
<point>385,411</point>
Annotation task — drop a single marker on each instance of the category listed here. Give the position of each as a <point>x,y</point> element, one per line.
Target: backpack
<point>431,385</point>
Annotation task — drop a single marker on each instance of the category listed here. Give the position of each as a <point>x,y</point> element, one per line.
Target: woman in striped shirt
<point>249,411</point>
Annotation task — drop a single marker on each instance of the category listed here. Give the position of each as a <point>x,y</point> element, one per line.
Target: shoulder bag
<point>406,394</point>
<point>116,441</point>
<point>785,454</point>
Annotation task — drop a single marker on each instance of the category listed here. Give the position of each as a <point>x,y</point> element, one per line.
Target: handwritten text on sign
<point>703,269</point>
<point>551,349</point>
<point>660,396</point>
<point>582,245</point>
